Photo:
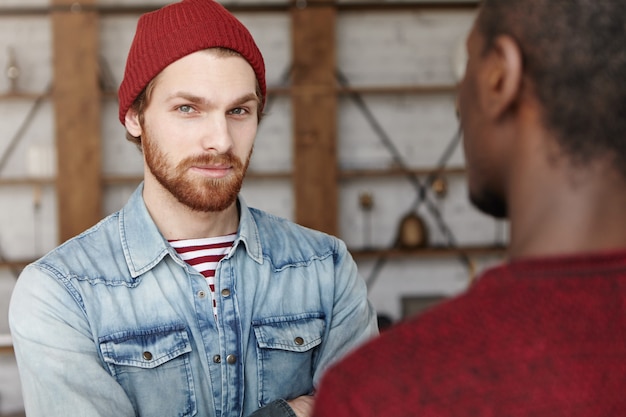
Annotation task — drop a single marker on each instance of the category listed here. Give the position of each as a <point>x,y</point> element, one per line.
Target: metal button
<point>299,341</point>
<point>217,359</point>
<point>201,294</point>
<point>147,356</point>
<point>225,292</point>
<point>231,359</point>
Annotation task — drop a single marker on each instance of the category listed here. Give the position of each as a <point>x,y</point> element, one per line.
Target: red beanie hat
<point>177,30</point>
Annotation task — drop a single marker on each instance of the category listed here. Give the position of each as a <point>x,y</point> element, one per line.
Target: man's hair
<point>574,55</point>
<point>142,100</point>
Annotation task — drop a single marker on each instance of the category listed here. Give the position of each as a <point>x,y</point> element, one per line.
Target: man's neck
<point>565,209</point>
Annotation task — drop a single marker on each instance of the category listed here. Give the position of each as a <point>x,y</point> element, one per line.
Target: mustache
<point>212,159</point>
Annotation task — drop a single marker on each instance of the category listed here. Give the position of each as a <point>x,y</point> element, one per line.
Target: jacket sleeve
<point>60,369</point>
<point>278,408</point>
<point>353,320</point>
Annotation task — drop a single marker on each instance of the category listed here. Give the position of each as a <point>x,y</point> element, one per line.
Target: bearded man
<point>187,302</point>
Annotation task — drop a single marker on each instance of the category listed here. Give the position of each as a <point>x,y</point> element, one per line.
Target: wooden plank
<point>17,264</point>
<point>261,6</point>
<point>76,98</point>
<point>399,172</point>
<point>26,181</point>
<point>314,101</point>
<point>6,344</point>
<point>6,350</point>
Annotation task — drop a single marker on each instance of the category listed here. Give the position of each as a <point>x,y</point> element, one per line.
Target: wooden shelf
<point>122,180</point>
<point>399,89</point>
<point>6,345</point>
<point>22,95</point>
<point>136,179</point>
<point>343,174</point>
<point>377,5</point>
<point>128,179</point>
<point>16,263</point>
<point>432,252</point>
<point>280,175</point>
<point>257,7</point>
<point>398,172</point>
<point>26,181</point>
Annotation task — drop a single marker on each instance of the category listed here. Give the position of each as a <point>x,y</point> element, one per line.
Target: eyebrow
<point>201,100</point>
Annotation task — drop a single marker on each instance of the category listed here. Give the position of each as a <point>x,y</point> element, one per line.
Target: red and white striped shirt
<point>203,255</point>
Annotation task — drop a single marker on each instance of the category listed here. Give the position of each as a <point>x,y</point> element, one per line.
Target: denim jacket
<point>114,323</point>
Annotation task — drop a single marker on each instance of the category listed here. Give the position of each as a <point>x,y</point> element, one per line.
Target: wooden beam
<point>76,99</point>
<point>260,6</point>
<point>314,100</point>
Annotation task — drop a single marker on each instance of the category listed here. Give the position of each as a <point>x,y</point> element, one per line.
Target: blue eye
<point>185,109</point>
<point>238,111</point>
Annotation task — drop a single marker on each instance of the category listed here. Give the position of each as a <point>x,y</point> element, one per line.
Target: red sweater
<point>540,338</point>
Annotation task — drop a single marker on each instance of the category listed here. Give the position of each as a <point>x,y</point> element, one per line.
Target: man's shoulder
<point>416,357</point>
<point>283,239</point>
<point>96,248</point>
<point>273,226</point>
<point>419,342</point>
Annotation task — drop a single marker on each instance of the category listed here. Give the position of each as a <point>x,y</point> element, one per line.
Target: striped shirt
<point>203,255</point>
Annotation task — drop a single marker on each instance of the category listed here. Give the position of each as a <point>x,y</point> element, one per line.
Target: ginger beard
<point>196,192</point>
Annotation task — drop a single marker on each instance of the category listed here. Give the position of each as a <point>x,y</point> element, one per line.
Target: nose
<point>216,135</point>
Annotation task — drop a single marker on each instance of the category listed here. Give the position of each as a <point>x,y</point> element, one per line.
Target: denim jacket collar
<point>144,245</point>
<point>248,233</point>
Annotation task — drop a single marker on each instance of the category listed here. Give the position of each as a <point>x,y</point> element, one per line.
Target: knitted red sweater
<point>540,338</point>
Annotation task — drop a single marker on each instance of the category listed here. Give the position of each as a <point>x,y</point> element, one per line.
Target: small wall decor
<point>12,70</point>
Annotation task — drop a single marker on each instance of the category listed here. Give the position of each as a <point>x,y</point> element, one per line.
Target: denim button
<point>217,359</point>
<point>231,359</point>
<point>201,294</point>
<point>225,292</point>
<point>147,356</point>
<point>299,341</point>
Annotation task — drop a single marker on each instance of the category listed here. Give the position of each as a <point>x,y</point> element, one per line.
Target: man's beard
<point>194,191</point>
<point>490,203</point>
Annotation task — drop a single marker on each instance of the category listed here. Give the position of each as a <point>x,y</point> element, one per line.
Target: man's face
<point>199,128</point>
<point>479,140</point>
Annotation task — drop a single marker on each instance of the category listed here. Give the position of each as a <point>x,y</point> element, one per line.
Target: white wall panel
<point>116,35</point>
<point>28,221</point>
<point>27,155</point>
<point>30,38</point>
<point>274,196</point>
<point>419,126</point>
<point>273,145</point>
<point>393,48</point>
<point>119,156</point>
<point>272,34</point>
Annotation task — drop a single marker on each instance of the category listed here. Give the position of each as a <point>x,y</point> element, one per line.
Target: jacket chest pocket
<point>286,348</point>
<point>153,367</point>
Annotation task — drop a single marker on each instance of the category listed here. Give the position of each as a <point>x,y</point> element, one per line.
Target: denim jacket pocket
<point>286,349</point>
<point>147,363</point>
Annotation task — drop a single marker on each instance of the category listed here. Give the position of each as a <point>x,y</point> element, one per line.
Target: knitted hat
<point>177,30</point>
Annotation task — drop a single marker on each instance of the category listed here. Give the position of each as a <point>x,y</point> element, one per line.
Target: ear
<point>502,76</point>
<point>131,121</point>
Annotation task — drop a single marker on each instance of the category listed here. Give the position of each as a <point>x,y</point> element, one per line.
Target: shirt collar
<point>248,233</point>
<point>144,246</point>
